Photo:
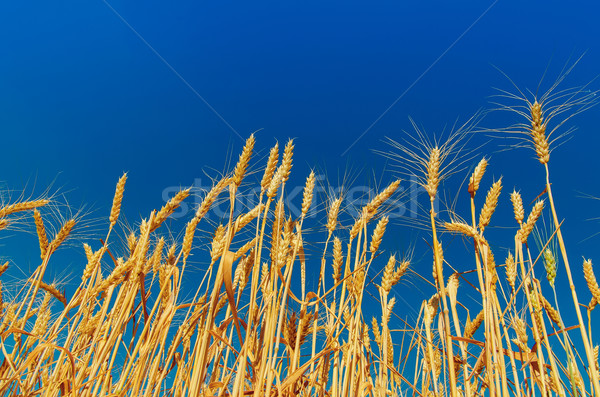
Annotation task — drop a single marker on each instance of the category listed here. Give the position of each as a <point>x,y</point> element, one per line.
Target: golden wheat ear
<point>543,116</point>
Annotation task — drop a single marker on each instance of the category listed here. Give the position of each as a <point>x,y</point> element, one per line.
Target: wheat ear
<point>590,278</point>
<point>476,176</point>
<point>41,232</point>
<point>538,133</point>
<point>491,202</point>
<point>117,200</point>
<point>23,206</point>
<point>242,164</point>
<point>270,169</point>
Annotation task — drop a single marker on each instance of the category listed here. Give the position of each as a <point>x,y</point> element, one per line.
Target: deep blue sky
<point>83,98</point>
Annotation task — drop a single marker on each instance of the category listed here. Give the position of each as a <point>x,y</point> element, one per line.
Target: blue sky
<point>165,90</point>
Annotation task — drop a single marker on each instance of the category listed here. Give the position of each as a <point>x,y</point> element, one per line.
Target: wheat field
<point>255,326</point>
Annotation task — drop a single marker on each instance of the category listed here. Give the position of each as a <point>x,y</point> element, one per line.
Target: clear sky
<point>167,91</point>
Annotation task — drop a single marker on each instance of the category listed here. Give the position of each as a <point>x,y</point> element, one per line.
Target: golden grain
<point>472,326</point>
<point>491,202</point>
<point>511,270</point>
<point>168,209</point>
<point>62,235</point>
<point>308,193</point>
<point>590,278</point>
<point>476,176</point>
<point>538,133</point>
<point>372,207</point>
<point>117,200</point>
<point>242,164</point>
<point>550,311</point>
<point>338,259</point>
<point>388,275</point>
<point>280,332</point>
<point>527,227</point>
<point>463,228</point>
<point>517,202</point>
<point>433,172</point>
<point>51,289</point>
<point>41,232</point>
<point>332,216</point>
<point>270,168</point>
<point>22,206</point>
<point>286,162</point>
<point>378,234</point>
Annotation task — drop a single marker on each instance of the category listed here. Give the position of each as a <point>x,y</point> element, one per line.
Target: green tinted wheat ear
<point>476,176</point>
<point>491,202</point>
<point>117,200</point>
<point>550,265</point>
<point>538,133</point>
<point>590,278</point>
<point>242,164</point>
